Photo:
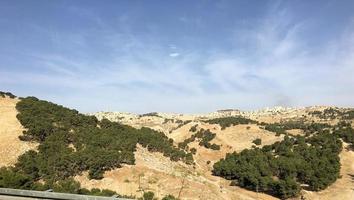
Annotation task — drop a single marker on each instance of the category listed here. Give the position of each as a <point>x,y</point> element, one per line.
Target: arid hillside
<point>198,183</point>
<point>10,128</point>
<point>157,173</point>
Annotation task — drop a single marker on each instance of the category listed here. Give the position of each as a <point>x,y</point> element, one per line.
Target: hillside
<point>10,128</point>
<point>240,137</point>
<point>177,153</point>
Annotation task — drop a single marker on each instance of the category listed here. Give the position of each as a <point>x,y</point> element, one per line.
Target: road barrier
<point>52,195</point>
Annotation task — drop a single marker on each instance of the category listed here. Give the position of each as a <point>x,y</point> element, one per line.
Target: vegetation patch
<point>225,122</point>
<point>257,141</point>
<point>7,94</point>
<point>282,127</point>
<point>150,114</point>
<point>205,136</point>
<point>180,124</point>
<point>71,143</point>
<point>279,169</point>
<point>12,178</point>
<point>193,128</point>
<point>332,113</point>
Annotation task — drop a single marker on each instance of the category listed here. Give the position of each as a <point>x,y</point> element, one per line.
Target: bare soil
<point>10,128</point>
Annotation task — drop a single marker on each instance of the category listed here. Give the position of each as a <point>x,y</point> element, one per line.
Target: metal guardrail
<point>52,195</point>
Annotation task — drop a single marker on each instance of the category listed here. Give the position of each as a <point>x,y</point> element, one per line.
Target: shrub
<point>257,141</point>
<point>193,128</point>
<point>170,197</point>
<point>67,186</point>
<point>193,150</point>
<point>148,196</point>
<point>12,179</point>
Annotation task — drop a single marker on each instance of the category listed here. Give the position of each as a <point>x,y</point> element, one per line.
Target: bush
<point>148,196</point>
<point>170,197</point>
<point>67,186</point>
<point>193,150</point>
<point>257,141</point>
<point>11,179</point>
<point>193,128</point>
<point>215,147</point>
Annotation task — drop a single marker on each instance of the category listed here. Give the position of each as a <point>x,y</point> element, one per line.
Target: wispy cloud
<point>174,54</point>
<point>269,64</point>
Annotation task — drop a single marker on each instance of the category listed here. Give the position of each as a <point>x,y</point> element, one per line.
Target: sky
<point>178,56</point>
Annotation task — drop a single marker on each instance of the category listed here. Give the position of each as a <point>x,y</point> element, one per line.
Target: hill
<point>182,155</point>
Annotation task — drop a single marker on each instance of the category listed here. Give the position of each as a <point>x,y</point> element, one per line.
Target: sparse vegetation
<point>348,115</point>
<point>205,137</point>
<point>332,113</point>
<point>328,113</point>
<point>182,123</point>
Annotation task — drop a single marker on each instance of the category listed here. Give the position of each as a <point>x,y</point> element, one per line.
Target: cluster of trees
<point>332,113</point>
<point>225,122</point>
<point>279,169</point>
<point>328,113</point>
<point>12,178</point>
<point>150,114</point>
<point>205,136</point>
<point>308,128</point>
<point>348,115</point>
<point>7,94</point>
<point>70,142</point>
<point>345,131</point>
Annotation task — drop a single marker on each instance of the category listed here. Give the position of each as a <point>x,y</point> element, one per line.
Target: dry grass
<point>154,172</point>
<point>11,147</point>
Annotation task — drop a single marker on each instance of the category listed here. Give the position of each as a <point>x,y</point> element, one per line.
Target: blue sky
<point>178,56</point>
